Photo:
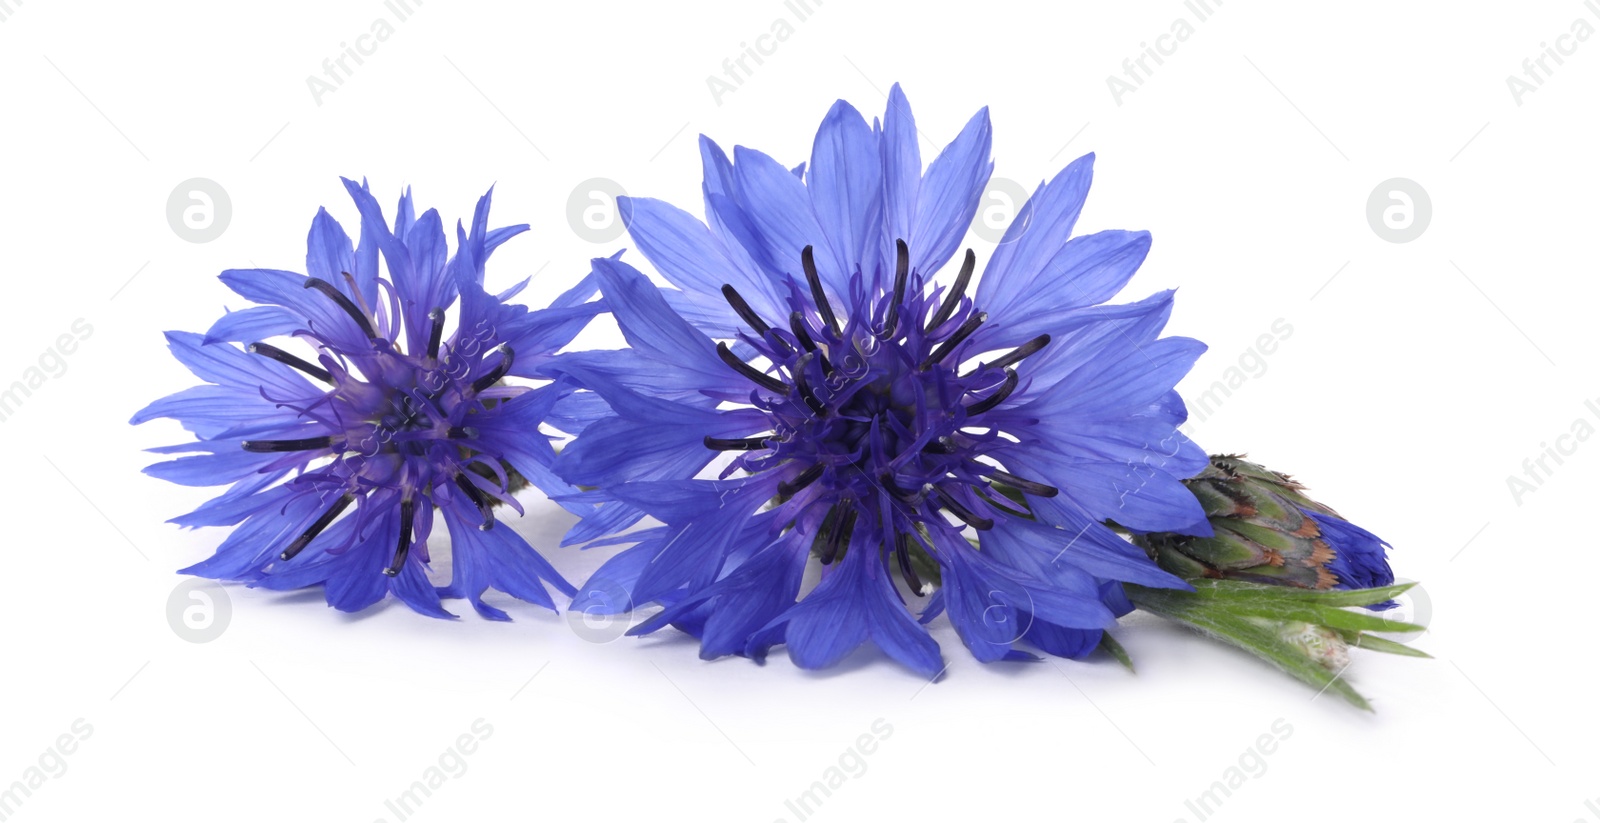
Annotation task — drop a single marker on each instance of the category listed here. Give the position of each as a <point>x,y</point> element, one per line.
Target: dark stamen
<point>435,332</point>
<point>274,353</point>
<point>800,481</point>
<point>825,530</point>
<point>332,293</point>
<point>507,357</point>
<point>836,537</point>
<point>1023,485</point>
<point>952,300</point>
<point>902,269</point>
<point>476,497</point>
<point>753,374</point>
<point>902,553</point>
<point>961,334</point>
<point>744,444</point>
<point>361,301</point>
<point>808,261</point>
<point>462,433</point>
<point>301,445</point>
<point>954,506</point>
<point>797,324</point>
<point>887,481</point>
<point>744,311</point>
<point>998,397</point>
<point>408,512</point>
<point>1022,352</point>
<point>804,385</point>
<point>316,528</point>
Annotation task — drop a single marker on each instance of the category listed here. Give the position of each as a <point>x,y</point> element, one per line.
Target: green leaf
<point>1382,644</point>
<point>1109,645</point>
<point>1201,612</point>
<point>1238,590</point>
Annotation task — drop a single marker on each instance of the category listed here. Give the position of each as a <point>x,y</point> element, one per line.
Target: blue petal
<point>780,210</point>
<point>225,461</point>
<point>949,195</point>
<point>655,331</point>
<point>711,514</point>
<point>988,603</point>
<point>287,289</point>
<point>260,538</point>
<point>846,188</point>
<point>245,498</point>
<point>236,368</point>
<point>722,214</point>
<point>610,589</point>
<point>1086,272</point>
<point>1039,230</point>
<point>742,602</point>
<point>1360,560</point>
<point>1060,641</point>
<point>330,256</point>
<point>209,411</point>
<point>856,601</point>
<point>496,558</point>
<point>1049,550</point>
<point>649,439</point>
<point>1138,496</point>
<point>427,288</point>
<point>253,324</point>
<point>690,257</point>
<point>902,172</point>
<point>608,518</point>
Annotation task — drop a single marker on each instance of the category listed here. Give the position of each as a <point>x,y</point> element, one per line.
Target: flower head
<point>337,458</point>
<point>1268,531</point>
<point>877,418</point>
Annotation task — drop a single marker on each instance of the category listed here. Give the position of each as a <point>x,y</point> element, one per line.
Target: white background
<point>1418,377</point>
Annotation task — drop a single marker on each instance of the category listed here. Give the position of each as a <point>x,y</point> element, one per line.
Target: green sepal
<point>1246,614</point>
<point>1109,645</point>
<point>1374,643</point>
<point>1322,608</point>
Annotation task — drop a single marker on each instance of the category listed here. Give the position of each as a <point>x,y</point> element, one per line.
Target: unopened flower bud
<point>1266,530</point>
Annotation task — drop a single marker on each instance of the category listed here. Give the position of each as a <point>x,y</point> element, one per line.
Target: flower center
<point>874,417</point>
<point>402,424</point>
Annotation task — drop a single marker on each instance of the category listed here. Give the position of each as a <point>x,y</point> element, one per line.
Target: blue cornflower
<point>403,412</point>
<point>877,419</point>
